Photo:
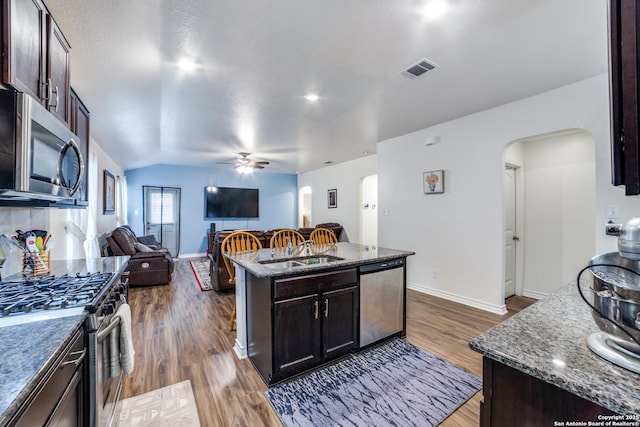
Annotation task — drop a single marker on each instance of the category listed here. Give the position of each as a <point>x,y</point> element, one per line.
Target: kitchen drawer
<point>313,283</point>
<point>50,394</point>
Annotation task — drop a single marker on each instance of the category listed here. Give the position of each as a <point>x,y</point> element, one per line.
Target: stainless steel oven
<point>105,379</point>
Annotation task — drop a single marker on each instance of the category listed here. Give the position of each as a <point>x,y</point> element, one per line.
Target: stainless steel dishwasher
<point>382,300</point>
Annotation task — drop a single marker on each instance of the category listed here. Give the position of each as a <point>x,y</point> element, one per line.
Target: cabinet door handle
<point>315,311</point>
<point>57,98</point>
<point>48,97</point>
<point>78,360</point>
<point>326,307</point>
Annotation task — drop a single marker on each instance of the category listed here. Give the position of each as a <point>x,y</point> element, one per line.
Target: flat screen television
<point>227,202</point>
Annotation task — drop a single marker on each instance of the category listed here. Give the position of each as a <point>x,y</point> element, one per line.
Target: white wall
<point>346,178</point>
<point>457,236</point>
<point>104,223</point>
<point>559,199</point>
<point>369,211</point>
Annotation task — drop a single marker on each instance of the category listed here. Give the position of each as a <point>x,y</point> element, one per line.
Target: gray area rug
<point>200,268</point>
<point>168,406</point>
<point>394,384</point>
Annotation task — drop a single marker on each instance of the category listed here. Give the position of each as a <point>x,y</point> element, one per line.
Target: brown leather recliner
<point>147,264</point>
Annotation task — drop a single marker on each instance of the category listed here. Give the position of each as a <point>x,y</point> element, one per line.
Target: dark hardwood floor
<point>182,333</point>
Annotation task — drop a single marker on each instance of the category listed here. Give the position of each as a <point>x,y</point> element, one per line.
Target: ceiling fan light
<point>245,169</point>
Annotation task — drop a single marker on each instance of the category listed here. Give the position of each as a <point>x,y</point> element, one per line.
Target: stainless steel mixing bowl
<point>616,294</point>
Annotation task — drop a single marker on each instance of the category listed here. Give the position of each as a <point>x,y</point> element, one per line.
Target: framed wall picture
<point>332,198</point>
<point>433,182</point>
<point>108,193</point>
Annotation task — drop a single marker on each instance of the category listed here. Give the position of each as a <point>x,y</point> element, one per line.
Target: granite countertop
<point>26,354</point>
<point>352,255</point>
<point>548,341</point>
<point>27,350</point>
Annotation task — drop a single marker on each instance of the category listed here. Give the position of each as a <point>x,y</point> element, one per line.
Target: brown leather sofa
<point>217,269</point>
<point>149,264</point>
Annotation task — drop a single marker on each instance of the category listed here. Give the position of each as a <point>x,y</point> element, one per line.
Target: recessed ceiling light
<point>311,97</point>
<point>187,64</point>
<point>434,9</point>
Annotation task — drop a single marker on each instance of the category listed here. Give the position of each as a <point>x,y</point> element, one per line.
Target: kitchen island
<point>296,312</point>
<point>538,370</point>
<point>29,351</point>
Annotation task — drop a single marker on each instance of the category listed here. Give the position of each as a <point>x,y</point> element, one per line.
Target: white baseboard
<point>196,255</point>
<point>533,294</point>
<point>497,309</point>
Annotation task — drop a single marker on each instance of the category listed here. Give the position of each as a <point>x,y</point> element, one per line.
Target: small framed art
<point>109,193</point>
<point>332,198</point>
<point>433,182</point>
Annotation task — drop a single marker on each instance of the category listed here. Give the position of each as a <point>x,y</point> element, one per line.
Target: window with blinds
<point>161,208</point>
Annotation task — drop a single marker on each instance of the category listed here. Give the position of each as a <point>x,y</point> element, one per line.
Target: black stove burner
<point>51,293</point>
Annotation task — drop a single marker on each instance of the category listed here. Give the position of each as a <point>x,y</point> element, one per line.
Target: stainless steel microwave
<point>39,155</point>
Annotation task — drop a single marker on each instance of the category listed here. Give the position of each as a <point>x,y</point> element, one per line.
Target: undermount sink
<point>299,261</point>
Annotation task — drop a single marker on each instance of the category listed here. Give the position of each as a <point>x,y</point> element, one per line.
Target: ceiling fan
<point>244,164</point>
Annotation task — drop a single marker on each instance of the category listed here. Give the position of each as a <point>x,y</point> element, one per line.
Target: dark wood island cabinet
<point>297,323</point>
<point>296,313</point>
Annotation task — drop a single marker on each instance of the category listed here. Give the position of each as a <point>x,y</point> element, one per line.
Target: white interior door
<point>510,237</point>
<point>162,216</point>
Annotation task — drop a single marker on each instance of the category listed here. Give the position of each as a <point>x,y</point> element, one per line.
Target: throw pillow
<point>142,248</point>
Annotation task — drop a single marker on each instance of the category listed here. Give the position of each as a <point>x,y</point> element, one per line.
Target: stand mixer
<point>615,299</point>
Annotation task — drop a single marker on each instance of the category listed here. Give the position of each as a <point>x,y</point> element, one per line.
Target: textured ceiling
<point>257,59</point>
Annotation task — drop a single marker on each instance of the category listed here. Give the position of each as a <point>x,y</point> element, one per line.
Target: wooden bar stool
<point>239,241</point>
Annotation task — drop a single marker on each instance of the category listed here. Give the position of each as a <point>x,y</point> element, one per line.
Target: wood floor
<point>182,333</point>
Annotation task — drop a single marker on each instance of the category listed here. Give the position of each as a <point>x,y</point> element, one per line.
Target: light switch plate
<point>613,212</point>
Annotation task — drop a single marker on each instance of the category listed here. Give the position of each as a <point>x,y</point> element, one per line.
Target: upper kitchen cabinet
<point>624,33</point>
<point>35,57</point>
<point>79,120</point>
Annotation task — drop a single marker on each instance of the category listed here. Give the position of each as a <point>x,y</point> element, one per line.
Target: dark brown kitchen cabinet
<point>35,57</point>
<point>59,399</point>
<point>310,329</point>
<point>79,120</point>
<point>338,321</point>
<point>513,398</point>
<point>296,337</point>
<point>297,323</point>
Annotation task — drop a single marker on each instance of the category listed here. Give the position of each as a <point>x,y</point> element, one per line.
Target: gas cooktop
<point>32,299</point>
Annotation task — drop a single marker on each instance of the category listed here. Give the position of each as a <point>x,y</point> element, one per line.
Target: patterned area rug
<point>168,406</point>
<point>200,268</point>
<point>394,384</point>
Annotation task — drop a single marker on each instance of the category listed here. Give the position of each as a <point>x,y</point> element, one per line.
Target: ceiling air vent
<point>418,69</point>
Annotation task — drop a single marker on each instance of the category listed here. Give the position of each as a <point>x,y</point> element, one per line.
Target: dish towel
<point>113,368</point>
<point>126,342</point>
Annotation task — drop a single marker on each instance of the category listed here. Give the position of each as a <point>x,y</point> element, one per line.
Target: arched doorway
<point>304,207</point>
<point>554,203</point>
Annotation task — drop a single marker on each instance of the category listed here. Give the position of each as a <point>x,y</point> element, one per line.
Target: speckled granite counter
<point>26,354</point>
<point>28,350</point>
<point>352,255</point>
<point>548,341</point>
